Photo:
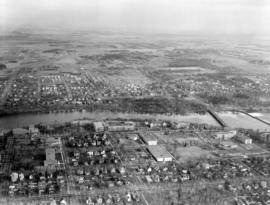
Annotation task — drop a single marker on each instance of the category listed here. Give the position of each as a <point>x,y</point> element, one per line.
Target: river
<point>232,119</point>
<point>22,120</point>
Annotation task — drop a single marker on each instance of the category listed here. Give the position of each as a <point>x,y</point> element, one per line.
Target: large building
<point>149,138</point>
<point>228,145</point>
<point>20,131</point>
<point>98,126</point>
<point>50,157</point>
<point>225,135</point>
<point>160,153</point>
<point>120,126</point>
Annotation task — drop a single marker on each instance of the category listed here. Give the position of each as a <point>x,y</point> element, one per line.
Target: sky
<point>165,16</point>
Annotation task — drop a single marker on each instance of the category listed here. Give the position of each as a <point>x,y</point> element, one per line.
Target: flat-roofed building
<point>132,136</point>
<point>120,126</point>
<point>160,153</point>
<point>228,145</point>
<point>50,157</point>
<point>20,131</point>
<point>225,135</point>
<point>98,126</point>
<point>149,138</point>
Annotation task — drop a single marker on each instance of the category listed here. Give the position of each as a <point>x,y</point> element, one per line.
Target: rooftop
<point>159,151</point>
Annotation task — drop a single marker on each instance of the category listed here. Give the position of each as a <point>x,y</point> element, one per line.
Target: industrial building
<point>98,126</point>
<point>160,153</point>
<point>228,145</point>
<point>149,138</point>
<point>19,131</point>
<point>120,126</point>
<point>225,135</point>
<point>50,157</point>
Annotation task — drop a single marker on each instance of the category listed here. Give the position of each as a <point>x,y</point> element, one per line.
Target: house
<point>244,139</point>
<point>160,153</point>
<point>149,138</point>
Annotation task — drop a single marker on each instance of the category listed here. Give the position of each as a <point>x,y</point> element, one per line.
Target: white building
<point>228,145</point>
<point>225,135</point>
<point>120,126</point>
<point>160,153</point>
<point>98,126</point>
<point>149,138</point>
<point>50,157</point>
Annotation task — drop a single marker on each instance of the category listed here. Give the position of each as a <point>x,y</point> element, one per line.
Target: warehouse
<point>120,126</point>
<point>228,145</point>
<point>50,157</point>
<point>225,135</point>
<point>149,138</point>
<point>160,153</point>
<point>98,126</point>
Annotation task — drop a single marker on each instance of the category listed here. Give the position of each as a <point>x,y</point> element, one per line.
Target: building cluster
<point>224,169</point>
<point>260,164</point>
<point>32,164</point>
<point>252,192</point>
<point>37,167</point>
<point>113,157</point>
<point>53,90</point>
<point>89,140</point>
<point>170,173</point>
<point>66,90</point>
<point>24,91</point>
<point>36,183</point>
<point>126,198</point>
<point>94,163</point>
<point>205,170</point>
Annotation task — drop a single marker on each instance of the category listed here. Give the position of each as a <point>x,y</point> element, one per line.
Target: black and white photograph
<point>134,102</point>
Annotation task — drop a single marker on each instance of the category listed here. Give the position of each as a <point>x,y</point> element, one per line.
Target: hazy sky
<point>167,16</point>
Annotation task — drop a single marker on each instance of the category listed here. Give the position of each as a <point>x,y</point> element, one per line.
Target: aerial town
<point>132,126</point>
<point>134,162</point>
<point>132,103</point>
